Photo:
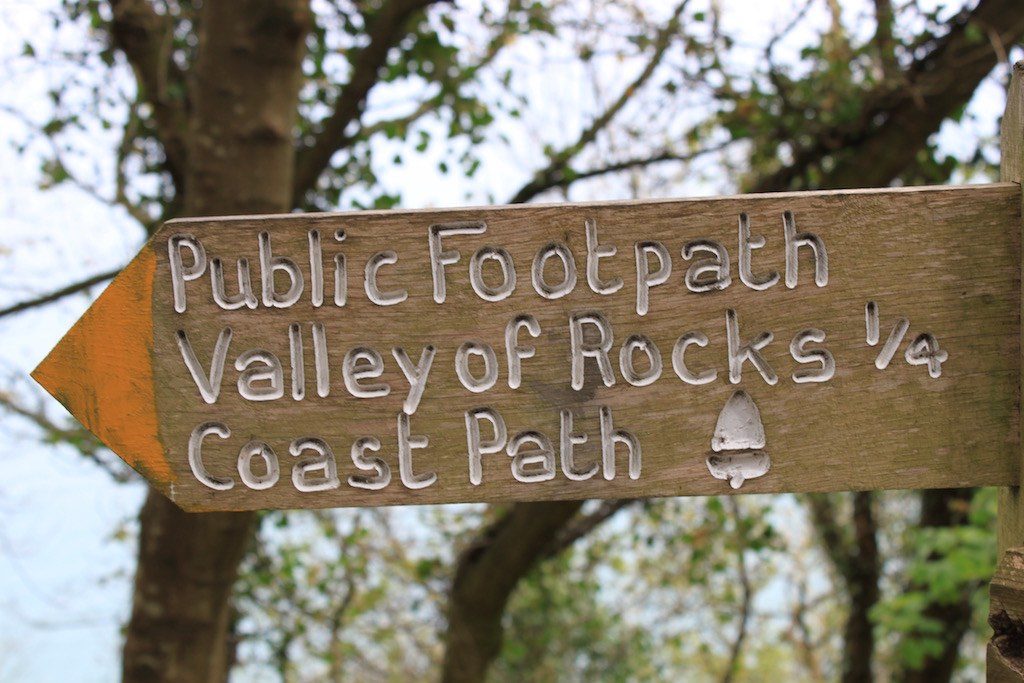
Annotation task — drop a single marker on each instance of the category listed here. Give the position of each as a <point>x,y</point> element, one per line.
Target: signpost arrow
<point>571,351</point>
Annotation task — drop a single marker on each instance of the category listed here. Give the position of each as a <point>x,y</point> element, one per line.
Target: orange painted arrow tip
<point>102,371</point>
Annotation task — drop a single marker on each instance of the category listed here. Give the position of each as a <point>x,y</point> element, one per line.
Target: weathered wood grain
<point>1011,169</point>
<point>947,259</point>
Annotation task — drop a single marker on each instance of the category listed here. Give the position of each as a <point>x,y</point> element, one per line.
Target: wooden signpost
<point>795,342</point>
<point>815,341</point>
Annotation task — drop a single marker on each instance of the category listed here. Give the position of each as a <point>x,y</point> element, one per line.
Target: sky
<point>67,576</point>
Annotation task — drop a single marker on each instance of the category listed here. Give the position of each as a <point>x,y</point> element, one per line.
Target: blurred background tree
<point>265,106</point>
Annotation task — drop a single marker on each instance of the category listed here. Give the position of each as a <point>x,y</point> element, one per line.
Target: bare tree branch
<point>584,524</point>
<point>747,594</point>
<point>387,28</point>
<point>567,176</point>
<point>120,198</point>
<point>431,104</point>
<point>836,40</point>
<point>486,574</point>
<point>145,37</point>
<point>77,436</point>
<point>781,85</point>
<point>826,525</point>
<point>553,175</point>
<point>338,615</point>
<point>135,209</point>
<point>856,560</point>
<point>884,42</point>
<point>60,293</point>
<point>899,115</point>
<point>800,632</point>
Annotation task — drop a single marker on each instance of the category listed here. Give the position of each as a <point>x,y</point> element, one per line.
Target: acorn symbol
<point>738,442</point>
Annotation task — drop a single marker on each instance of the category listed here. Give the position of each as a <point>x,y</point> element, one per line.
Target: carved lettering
<point>740,353</point>
<point>441,257</point>
<point>583,348</point>
<point>568,282</point>
<point>508,274</point>
<point>476,447</point>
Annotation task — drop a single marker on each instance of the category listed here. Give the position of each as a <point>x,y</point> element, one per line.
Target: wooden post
<point>1005,658</point>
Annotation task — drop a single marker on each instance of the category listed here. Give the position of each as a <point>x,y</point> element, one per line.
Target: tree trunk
<point>862,574</point>
<point>943,508</point>
<point>240,159</point>
<point>486,574</point>
<point>181,608</point>
<point>856,561</point>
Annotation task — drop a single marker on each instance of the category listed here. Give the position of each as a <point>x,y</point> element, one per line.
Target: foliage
<point>944,565</point>
<point>344,594</point>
